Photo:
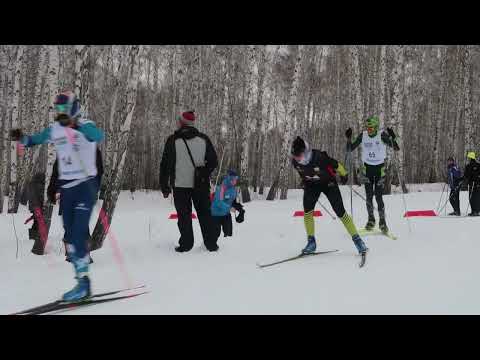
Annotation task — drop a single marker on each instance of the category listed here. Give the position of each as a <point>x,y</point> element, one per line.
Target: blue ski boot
<point>359,244</point>
<point>311,246</point>
<point>80,292</point>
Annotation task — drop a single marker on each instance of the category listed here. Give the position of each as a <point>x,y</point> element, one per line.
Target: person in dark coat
<point>188,161</point>
<point>454,181</point>
<point>33,196</point>
<point>472,176</point>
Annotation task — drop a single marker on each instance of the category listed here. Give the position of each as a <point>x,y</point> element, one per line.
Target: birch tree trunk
<point>111,196</point>
<point>53,89</point>
<point>248,125</point>
<point>12,193</point>
<point>383,83</point>
<point>289,125</point>
<point>397,108</point>
<point>8,91</point>
<point>467,90</point>
<point>262,58</point>
<point>36,119</point>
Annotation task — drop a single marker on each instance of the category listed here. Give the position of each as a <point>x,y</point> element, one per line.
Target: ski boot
<point>359,244</point>
<point>80,292</point>
<point>455,213</point>
<point>33,234</point>
<point>370,223</point>
<point>383,226</point>
<point>311,246</point>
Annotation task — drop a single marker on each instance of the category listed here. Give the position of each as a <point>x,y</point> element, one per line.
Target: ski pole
<point>441,196</point>
<point>15,231</point>
<point>348,158</point>
<point>470,197</point>
<point>326,210</point>
<point>364,199</point>
<point>451,193</point>
<point>401,186</point>
<point>219,171</point>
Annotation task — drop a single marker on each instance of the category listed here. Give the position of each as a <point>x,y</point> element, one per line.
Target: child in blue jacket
<point>224,199</point>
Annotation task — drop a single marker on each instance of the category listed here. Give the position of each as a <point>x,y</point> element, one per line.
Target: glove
<point>15,134</point>
<point>348,133</point>
<point>344,179</point>
<point>240,217</point>
<point>391,133</point>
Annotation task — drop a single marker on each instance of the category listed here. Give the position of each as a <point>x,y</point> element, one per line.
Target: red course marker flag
<point>316,213</point>
<point>419,213</point>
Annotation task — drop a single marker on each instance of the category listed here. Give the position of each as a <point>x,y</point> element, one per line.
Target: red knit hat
<point>188,116</point>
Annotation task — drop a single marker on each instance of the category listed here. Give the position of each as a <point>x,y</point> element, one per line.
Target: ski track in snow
<point>433,270</point>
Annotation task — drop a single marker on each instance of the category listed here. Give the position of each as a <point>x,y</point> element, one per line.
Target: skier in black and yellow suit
<point>318,172</point>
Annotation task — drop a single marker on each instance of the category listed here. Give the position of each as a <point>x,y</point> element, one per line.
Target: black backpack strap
<point>189,153</point>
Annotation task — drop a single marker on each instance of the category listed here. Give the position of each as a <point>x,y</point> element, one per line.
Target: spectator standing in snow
<point>454,181</point>
<point>188,160</point>
<point>472,176</point>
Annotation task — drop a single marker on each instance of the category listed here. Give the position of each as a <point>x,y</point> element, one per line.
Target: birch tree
<point>397,107</point>
<point>111,197</point>
<point>289,124</point>
<point>15,124</point>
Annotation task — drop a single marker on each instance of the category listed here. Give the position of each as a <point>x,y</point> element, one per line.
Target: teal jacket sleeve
<point>91,132</point>
<point>36,139</point>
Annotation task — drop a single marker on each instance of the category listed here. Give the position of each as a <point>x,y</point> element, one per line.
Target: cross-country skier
<point>454,182</point>
<point>472,176</point>
<point>75,141</point>
<point>224,200</point>
<point>374,143</point>
<point>53,190</point>
<point>318,172</point>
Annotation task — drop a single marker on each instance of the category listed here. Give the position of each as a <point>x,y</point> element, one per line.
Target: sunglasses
<point>63,108</point>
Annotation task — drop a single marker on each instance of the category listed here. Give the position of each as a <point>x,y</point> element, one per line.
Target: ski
<point>261,266</point>
<point>365,232</point>
<point>453,216</point>
<point>61,307</point>
<point>57,302</point>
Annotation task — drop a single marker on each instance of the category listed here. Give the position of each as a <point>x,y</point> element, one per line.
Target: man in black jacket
<point>472,176</point>
<point>187,152</point>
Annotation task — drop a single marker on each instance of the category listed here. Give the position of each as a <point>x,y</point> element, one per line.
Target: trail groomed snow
<point>433,269</point>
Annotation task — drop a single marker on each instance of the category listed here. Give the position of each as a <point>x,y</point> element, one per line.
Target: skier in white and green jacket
<point>374,150</point>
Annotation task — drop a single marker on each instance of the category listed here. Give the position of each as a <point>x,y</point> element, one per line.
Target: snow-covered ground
<point>433,268</point>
